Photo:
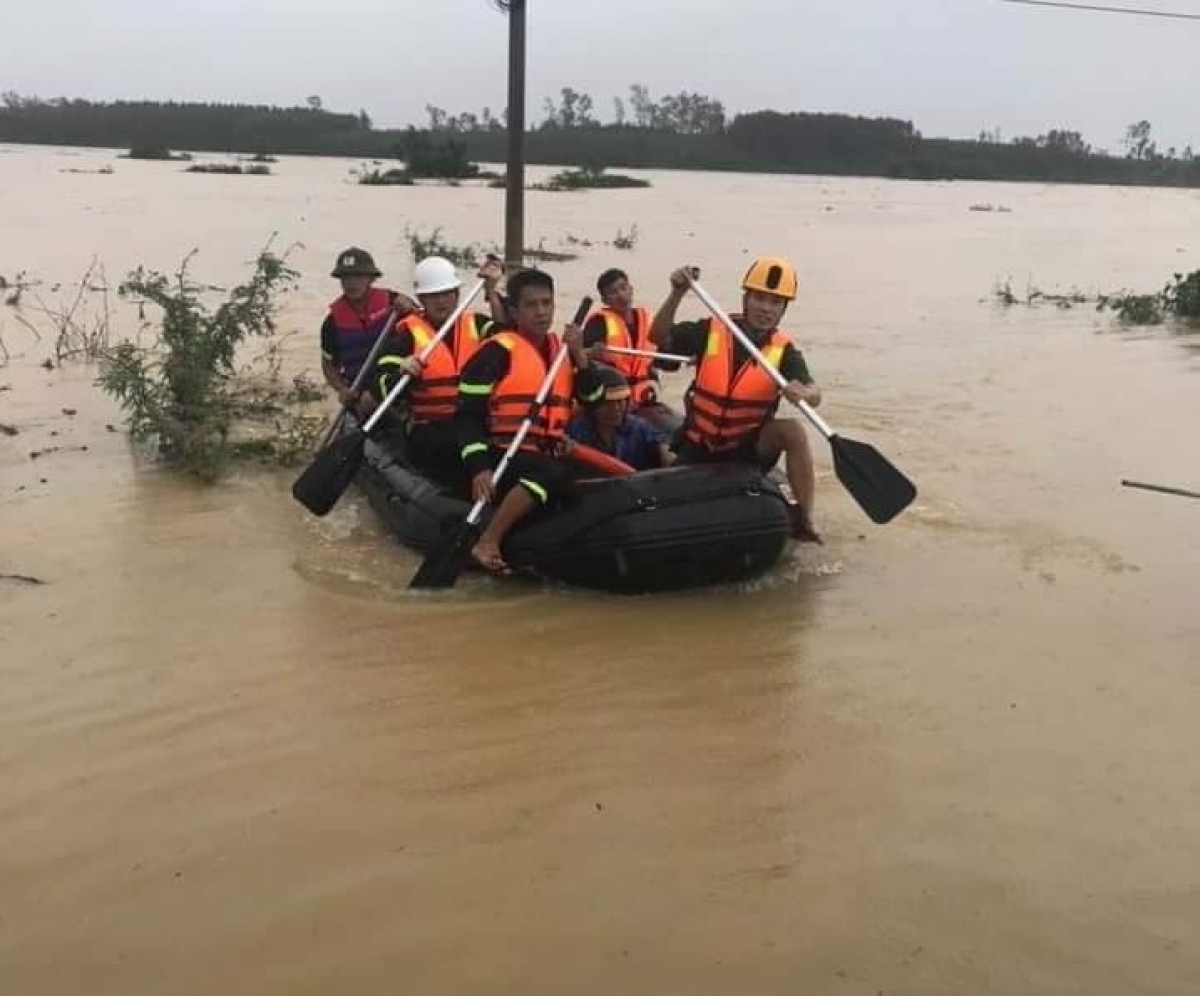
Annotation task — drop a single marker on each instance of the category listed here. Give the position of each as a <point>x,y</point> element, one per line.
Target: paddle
<point>445,562</point>
<point>1182,492</point>
<point>881,490</point>
<point>651,354</point>
<point>361,378</point>
<point>327,477</point>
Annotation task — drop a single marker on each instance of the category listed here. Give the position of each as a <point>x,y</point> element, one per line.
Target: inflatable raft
<point>657,530</point>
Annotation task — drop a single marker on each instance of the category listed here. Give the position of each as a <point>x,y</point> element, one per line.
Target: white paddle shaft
<point>822,426</point>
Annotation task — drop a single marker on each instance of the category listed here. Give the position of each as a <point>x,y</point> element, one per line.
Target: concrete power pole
<point>514,197</point>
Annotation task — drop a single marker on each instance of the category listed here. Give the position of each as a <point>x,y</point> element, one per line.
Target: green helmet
<point>354,262</point>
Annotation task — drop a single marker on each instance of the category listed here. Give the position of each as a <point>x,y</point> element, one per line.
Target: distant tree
<point>1137,141</point>
<point>364,119</point>
<point>574,110</point>
<point>435,156</point>
<point>690,114</point>
<point>314,103</point>
<point>644,111</point>
<point>618,111</point>
<point>437,118</point>
<point>1069,143</point>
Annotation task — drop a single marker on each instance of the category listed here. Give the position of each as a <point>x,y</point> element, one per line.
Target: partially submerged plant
<point>1178,299</point>
<point>589,178</point>
<point>433,244</point>
<point>185,393</point>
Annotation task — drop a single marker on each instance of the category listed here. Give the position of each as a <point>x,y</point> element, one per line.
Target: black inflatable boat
<point>657,530</point>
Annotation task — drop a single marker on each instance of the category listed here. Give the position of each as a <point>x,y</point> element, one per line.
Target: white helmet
<point>434,275</point>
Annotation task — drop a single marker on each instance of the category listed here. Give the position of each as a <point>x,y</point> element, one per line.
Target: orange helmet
<point>772,275</point>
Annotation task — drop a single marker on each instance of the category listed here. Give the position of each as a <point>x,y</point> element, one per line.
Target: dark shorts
<point>433,446</point>
<point>688,452</point>
<point>544,477</point>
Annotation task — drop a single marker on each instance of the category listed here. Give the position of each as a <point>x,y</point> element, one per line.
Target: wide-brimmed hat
<point>354,262</point>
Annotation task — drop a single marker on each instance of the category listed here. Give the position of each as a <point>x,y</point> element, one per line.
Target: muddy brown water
<point>956,754</point>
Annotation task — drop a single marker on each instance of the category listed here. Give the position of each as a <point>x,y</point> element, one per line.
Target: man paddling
<point>621,324</point>
<point>494,394</point>
<point>732,403</point>
<point>354,322</point>
<point>433,391</point>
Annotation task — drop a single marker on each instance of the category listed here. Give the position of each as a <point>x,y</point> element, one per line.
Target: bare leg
<point>517,504</point>
<point>788,436</point>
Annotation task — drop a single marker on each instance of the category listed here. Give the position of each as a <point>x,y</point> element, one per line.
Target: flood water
<point>955,754</point>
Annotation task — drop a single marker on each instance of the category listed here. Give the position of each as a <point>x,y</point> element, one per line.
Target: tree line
<point>685,130</point>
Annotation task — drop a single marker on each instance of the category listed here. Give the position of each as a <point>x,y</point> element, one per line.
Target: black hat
<point>355,262</point>
<point>616,387</point>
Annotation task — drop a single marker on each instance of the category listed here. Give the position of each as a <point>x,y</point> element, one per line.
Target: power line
<point>1139,11</point>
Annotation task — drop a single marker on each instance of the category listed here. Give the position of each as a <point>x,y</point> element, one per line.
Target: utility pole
<point>514,195</point>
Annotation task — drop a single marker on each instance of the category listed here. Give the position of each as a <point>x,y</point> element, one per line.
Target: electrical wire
<point>1138,11</point>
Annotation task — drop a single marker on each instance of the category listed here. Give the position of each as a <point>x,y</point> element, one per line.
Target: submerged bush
<point>385,178</point>
<point>160,153</point>
<point>1178,299</point>
<point>1182,296</point>
<point>230,169</point>
<point>433,244</point>
<point>185,393</point>
<point>589,178</point>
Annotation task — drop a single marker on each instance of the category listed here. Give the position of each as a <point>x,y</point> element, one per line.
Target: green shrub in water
<point>185,393</point>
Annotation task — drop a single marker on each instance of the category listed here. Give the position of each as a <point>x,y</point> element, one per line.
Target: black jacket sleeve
<point>793,366</point>
<point>689,338</point>
<point>387,369</point>
<point>594,332</point>
<point>476,383</point>
<point>329,342</point>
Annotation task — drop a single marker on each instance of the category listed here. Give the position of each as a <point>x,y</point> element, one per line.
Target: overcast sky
<point>952,67</point>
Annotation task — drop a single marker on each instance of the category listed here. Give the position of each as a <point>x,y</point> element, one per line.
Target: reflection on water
<point>954,754</point>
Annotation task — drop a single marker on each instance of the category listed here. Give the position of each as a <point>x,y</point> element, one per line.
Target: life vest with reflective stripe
<point>357,328</point>
<point>637,369</point>
<point>512,395</point>
<point>727,407</point>
<point>435,393</point>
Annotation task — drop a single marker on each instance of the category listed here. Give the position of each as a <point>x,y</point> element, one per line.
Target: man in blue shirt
<point>606,425</point>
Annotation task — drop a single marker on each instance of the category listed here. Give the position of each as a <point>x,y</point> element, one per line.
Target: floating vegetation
<point>229,169</point>
<point>156,153</point>
<point>1179,298</point>
<point>589,178</point>
<point>385,178</point>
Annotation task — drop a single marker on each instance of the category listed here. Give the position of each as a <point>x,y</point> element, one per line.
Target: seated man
<point>432,394</point>
<point>606,425</point>
<point>619,323</point>
<point>732,403</point>
<point>494,394</point>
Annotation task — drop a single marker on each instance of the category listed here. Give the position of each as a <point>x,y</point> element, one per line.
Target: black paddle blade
<point>878,487</point>
<point>329,475</point>
<point>445,562</point>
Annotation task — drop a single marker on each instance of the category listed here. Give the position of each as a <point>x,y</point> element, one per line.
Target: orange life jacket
<point>435,393</point>
<point>509,404</point>
<point>637,369</point>
<point>726,407</point>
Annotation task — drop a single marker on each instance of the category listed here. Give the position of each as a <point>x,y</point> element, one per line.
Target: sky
<point>952,67</point>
